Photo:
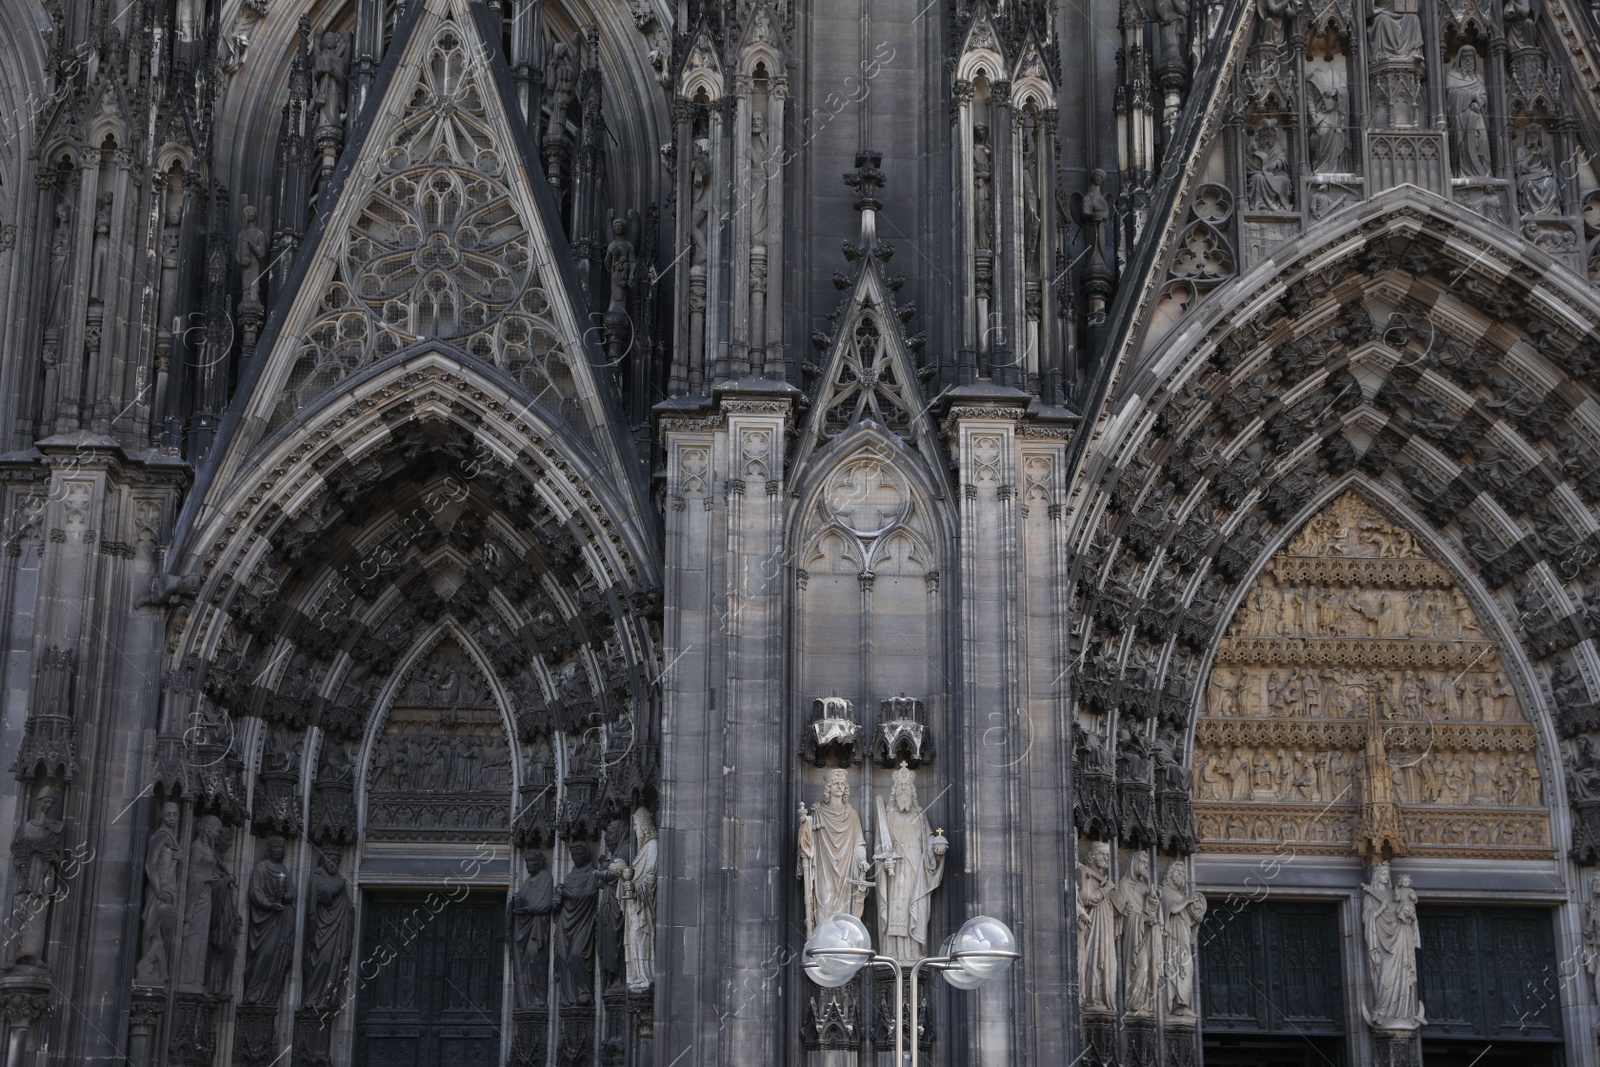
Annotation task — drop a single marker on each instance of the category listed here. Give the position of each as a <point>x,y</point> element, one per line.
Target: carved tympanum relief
<point>442,765</point>
<point>1356,703</point>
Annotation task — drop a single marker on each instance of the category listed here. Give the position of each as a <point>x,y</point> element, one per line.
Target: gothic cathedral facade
<point>518,514</point>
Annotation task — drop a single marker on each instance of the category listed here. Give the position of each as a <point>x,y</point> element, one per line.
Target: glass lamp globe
<point>982,950</point>
<point>838,949</point>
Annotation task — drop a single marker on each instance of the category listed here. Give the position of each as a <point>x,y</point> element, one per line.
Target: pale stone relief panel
<point>1356,704</point>
<point>442,765</point>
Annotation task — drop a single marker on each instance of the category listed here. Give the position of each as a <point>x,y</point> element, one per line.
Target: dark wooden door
<point>430,982</point>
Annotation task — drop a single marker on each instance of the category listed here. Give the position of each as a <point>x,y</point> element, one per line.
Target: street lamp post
<point>980,951</point>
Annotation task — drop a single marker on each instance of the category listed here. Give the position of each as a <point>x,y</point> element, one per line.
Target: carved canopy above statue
<point>1356,704</point>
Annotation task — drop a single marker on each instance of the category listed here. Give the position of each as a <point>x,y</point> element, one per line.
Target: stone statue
<point>1467,105</point>
<point>1583,782</point>
<point>608,909</point>
<point>60,247</point>
<point>36,855</point>
<point>102,246</point>
<point>204,873</point>
<point>760,172</point>
<point>251,255</point>
<point>1141,936</point>
<point>700,198</point>
<point>1099,905</point>
<point>160,918</point>
<point>329,935</point>
<point>1032,202</point>
<point>1520,21</point>
<point>1172,14</point>
<point>1268,165</point>
<point>1389,924</point>
<point>1396,31</point>
<point>639,904</point>
<point>558,82</point>
<point>1591,932</point>
<point>621,260</point>
<point>1329,118</point>
<point>578,896</point>
<point>982,182</point>
<point>1096,218</point>
<point>833,854</point>
<point>269,950</point>
<point>330,72</point>
<point>910,858</point>
<point>1270,15</point>
<point>1182,909</point>
<point>531,908</point>
<point>1536,174</point>
<point>224,923</point>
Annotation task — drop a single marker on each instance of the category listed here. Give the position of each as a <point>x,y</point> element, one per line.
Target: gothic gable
<point>437,241</point>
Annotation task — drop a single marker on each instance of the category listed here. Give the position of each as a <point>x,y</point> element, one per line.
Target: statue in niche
<point>269,950</point>
<point>60,246</point>
<point>1141,935</point>
<point>1536,174</point>
<point>578,896</point>
<point>1182,909</point>
<point>1172,14</point>
<point>1591,932</point>
<point>1096,218</point>
<point>252,258</point>
<point>700,200</point>
<point>36,855</point>
<point>330,72</point>
<point>1583,781</point>
<point>532,906</point>
<point>1396,31</point>
<point>621,260</point>
<point>638,881</point>
<point>760,166</point>
<point>608,909</point>
<point>1268,164</point>
<point>1521,18</point>
<point>160,917</point>
<point>982,184</point>
<point>558,82</point>
<point>1270,15</point>
<point>1329,118</point>
<point>1389,926</point>
<point>204,877</point>
<point>1032,204</point>
<point>1467,105</point>
<point>330,933</point>
<point>1099,905</point>
<point>102,247</point>
<point>833,854</point>
<point>910,859</point>
<point>224,933</point>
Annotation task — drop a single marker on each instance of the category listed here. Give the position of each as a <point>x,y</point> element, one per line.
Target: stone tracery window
<point>441,249</point>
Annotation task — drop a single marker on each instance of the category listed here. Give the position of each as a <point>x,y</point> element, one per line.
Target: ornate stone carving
<point>1182,909</point>
<point>902,737</point>
<point>578,895</point>
<point>329,936</point>
<point>1389,929</point>
<point>36,855</point>
<point>637,890</point>
<point>1467,107</point>
<point>532,905</point>
<point>1099,906</point>
<point>833,854</point>
<point>442,765</point>
<point>163,856</point>
<point>909,858</point>
<point>833,734</point>
<point>1356,693</point>
<point>270,947</point>
<point>1141,937</point>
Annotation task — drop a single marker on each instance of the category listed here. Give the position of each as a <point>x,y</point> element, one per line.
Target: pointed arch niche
<point>868,609</point>
<point>1357,706</point>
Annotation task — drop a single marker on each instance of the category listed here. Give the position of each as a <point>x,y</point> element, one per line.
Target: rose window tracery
<point>441,250</point>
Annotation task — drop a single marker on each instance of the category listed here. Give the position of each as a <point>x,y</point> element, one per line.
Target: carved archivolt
<point>1357,704</point>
